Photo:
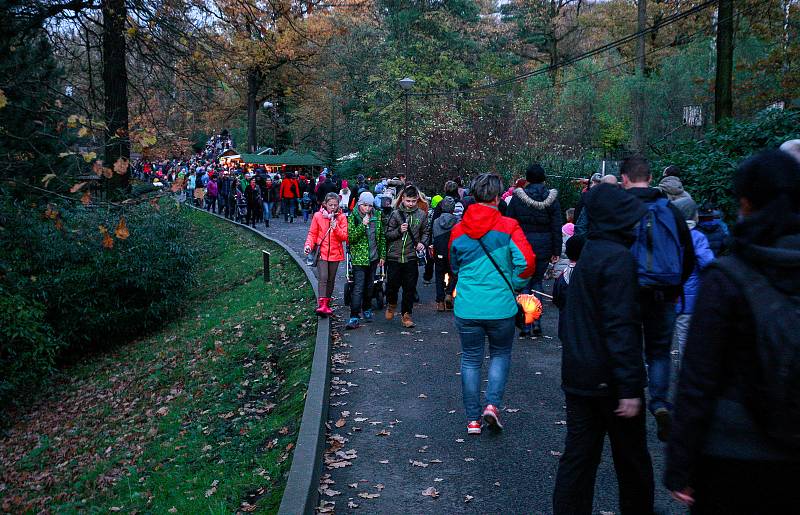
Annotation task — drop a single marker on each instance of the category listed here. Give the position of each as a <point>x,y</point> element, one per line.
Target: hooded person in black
<point>602,370</point>
<point>658,305</point>
<point>720,457</point>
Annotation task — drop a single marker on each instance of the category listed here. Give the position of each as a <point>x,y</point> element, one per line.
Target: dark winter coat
<point>400,246</point>
<point>648,195</point>
<point>712,415</point>
<point>253,197</point>
<point>602,346</point>
<point>327,187</point>
<point>271,193</point>
<point>715,234</point>
<point>538,212</point>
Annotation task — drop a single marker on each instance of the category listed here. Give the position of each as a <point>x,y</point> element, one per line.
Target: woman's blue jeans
<point>473,334</point>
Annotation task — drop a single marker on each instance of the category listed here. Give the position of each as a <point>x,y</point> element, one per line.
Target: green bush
<point>28,347</point>
<point>708,164</point>
<point>65,286</point>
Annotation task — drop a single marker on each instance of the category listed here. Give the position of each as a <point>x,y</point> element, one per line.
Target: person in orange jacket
<point>328,231</point>
<point>290,192</point>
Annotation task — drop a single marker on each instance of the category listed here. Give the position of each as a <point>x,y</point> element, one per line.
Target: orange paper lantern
<point>532,307</point>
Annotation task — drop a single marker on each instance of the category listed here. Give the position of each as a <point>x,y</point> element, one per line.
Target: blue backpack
<point>658,251</point>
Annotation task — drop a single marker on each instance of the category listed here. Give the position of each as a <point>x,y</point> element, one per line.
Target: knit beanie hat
<point>687,207</point>
<point>535,174</point>
<point>447,205</point>
<point>366,198</point>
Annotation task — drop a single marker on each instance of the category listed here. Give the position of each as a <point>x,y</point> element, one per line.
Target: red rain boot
<point>326,308</point>
<point>320,303</point>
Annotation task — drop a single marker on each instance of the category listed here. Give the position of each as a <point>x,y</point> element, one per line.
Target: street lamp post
<point>406,83</point>
<point>267,107</point>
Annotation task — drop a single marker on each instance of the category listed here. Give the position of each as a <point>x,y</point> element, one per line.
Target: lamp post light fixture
<point>267,107</point>
<point>406,83</point>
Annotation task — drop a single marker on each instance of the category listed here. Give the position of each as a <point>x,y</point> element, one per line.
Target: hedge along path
<point>201,416</point>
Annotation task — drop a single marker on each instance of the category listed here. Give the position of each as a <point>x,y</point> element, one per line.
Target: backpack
<point>657,250</point>
<point>777,324</point>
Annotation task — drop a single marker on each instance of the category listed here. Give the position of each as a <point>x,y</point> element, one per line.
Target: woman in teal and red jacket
<point>485,306</point>
<point>328,231</point>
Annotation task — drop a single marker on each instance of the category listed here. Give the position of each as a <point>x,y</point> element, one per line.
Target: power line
<point>580,57</point>
<point>632,59</point>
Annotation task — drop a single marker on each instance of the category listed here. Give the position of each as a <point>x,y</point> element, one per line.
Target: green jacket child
<point>367,243</point>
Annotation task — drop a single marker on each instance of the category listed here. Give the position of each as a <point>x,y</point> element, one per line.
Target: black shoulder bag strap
<point>496,267</point>
<point>519,318</point>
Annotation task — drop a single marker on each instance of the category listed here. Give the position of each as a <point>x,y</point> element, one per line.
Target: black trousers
<point>441,289</point>
<point>402,275</point>
<point>589,419</point>
<point>363,281</point>
<point>736,487</point>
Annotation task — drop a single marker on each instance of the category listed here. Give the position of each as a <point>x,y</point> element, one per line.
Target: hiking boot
<point>448,302</point>
<point>440,306</point>
<point>537,331</point>
<point>524,333</point>
<point>474,427</point>
<point>407,322</point>
<point>353,323</point>
<point>390,309</point>
<point>491,415</point>
<point>664,423</point>
<point>368,316</point>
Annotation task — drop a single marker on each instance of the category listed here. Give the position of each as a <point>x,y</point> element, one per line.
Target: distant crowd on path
<point>641,271</point>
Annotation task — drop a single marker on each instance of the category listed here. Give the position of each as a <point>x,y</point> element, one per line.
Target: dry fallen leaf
<point>47,178</point>
<point>383,432</point>
<point>420,436</point>
<point>76,187</point>
<point>367,495</point>
<point>384,461</point>
<point>431,492</point>
<point>555,453</point>
<point>418,463</point>
<point>340,423</point>
<point>468,498</point>
<point>469,459</point>
<point>352,505</point>
<point>423,396</point>
<point>121,231</point>
<point>86,198</point>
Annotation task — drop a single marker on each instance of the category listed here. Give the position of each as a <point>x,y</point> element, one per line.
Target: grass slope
<point>200,417</point>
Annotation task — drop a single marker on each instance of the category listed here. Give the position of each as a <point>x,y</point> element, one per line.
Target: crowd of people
<point>640,271</point>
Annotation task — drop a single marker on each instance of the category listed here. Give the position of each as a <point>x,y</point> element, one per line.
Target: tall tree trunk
<point>115,84</point>
<point>638,98</point>
<point>254,80</point>
<point>723,94</point>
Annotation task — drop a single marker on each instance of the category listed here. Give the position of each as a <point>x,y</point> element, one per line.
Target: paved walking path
<point>398,401</point>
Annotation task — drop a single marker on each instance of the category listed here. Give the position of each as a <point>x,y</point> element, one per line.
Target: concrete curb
<point>301,494</point>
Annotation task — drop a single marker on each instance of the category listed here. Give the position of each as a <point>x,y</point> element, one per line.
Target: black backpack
<point>777,327</point>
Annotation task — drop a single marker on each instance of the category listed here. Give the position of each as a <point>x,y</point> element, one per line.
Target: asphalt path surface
<point>397,412</point>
